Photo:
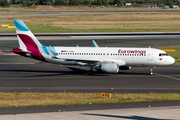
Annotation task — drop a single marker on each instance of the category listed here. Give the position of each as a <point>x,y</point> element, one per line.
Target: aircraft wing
<point>95,61</point>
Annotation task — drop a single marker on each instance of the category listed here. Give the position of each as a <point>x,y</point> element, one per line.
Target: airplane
<point>104,59</point>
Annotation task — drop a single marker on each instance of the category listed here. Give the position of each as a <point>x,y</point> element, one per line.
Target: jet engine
<point>124,67</point>
<point>109,67</point>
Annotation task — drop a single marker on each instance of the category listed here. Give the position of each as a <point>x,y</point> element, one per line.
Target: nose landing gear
<point>151,69</point>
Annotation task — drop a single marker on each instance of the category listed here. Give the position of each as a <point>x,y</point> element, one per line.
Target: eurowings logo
<point>160,59</point>
<point>132,51</point>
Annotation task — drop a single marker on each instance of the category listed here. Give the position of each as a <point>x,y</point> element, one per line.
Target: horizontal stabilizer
<point>17,51</point>
<point>21,51</point>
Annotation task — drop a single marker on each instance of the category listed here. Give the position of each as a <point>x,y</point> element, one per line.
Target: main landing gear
<point>151,69</point>
<point>90,72</point>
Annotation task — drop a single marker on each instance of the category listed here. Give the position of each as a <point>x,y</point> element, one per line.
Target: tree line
<point>7,3</point>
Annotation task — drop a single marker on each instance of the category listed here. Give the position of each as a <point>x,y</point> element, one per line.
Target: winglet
<point>95,44</point>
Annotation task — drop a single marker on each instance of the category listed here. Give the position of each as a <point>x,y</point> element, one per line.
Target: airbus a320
<point>105,59</point>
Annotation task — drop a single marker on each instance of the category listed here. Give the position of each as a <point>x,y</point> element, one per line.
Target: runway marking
<point>167,76</point>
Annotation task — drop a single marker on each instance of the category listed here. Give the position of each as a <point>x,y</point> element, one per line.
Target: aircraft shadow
<point>71,71</point>
<point>126,117</point>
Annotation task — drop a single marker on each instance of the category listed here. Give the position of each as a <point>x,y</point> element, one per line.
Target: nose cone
<point>171,60</point>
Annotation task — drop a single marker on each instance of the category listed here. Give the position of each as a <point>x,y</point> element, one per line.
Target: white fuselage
<point>122,56</point>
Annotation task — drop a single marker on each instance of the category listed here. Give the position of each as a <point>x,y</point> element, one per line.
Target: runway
<point>53,78</point>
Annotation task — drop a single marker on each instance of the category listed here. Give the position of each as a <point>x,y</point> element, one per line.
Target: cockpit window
<point>163,54</point>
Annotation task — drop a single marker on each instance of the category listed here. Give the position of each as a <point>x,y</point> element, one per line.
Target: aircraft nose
<point>171,60</point>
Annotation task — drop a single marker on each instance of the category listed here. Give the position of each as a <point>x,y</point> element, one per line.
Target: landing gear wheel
<point>151,73</point>
<point>151,69</point>
<point>90,72</point>
<point>99,71</point>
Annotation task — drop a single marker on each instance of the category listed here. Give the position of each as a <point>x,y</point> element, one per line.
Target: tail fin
<point>27,41</point>
<point>25,36</point>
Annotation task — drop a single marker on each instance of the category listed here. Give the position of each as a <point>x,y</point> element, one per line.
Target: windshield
<point>163,54</point>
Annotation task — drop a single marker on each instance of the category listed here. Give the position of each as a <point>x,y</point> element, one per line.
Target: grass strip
<point>27,99</point>
<point>132,22</point>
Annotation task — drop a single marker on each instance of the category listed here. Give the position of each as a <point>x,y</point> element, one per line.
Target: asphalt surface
<point>89,107</point>
<point>54,78</point>
<point>152,113</point>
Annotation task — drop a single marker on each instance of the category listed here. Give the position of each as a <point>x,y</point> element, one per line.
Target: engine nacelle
<point>109,68</point>
<point>124,67</point>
